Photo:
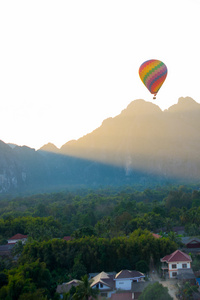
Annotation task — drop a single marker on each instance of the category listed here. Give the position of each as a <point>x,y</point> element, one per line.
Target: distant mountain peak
<point>49,147</point>
<point>143,137</point>
<point>186,101</point>
<point>141,106</point>
<point>184,104</point>
<point>12,146</point>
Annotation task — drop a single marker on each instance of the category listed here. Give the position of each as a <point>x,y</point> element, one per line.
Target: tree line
<point>110,229</point>
<point>102,213</point>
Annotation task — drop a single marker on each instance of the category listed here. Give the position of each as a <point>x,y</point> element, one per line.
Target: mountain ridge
<point>146,135</point>
<point>183,104</point>
<point>142,145</point>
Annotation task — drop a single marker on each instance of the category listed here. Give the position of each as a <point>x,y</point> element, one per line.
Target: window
<point>174,274</point>
<point>184,266</point>
<point>101,285</point>
<point>97,285</point>
<point>174,266</point>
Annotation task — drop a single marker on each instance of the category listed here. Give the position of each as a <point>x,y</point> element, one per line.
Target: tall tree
<point>84,291</point>
<point>155,291</point>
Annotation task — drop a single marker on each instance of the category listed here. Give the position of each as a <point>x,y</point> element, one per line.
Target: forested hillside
<point>109,229</point>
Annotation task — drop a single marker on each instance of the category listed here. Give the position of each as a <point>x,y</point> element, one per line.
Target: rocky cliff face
<point>24,170</point>
<point>143,145</point>
<point>20,168</point>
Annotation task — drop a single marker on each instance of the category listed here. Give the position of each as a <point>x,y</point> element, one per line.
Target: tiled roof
<point>187,240</point>
<point>65,287</point>
<point>185,274</point>
<point>176,256</point>
<point>157,236</point>
<point>18,236</point>
<point>129,274</point>
<point>103,278</point>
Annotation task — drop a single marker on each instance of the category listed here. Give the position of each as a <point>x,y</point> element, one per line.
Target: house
<point>17,237</point>
<point>108,284</point>
<point>191,242</point>
<point>176,264</point>
<point>125,278</point>
<point>65,287</point>
<point>105,283</point>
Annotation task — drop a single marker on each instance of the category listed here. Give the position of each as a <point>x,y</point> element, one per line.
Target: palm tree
<point>84,291</point>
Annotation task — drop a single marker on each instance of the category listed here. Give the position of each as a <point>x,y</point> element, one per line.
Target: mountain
<point>145,138</point>
<point>143,145</point>
<point>24,170</point>
<point>50,148</point>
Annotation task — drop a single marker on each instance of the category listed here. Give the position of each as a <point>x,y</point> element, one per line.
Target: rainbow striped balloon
<point>153,73</point>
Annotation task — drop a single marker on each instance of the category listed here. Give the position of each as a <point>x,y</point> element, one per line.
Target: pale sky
<point>65,66</point>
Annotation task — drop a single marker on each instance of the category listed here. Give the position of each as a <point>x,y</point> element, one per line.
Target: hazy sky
<point>65,66</point>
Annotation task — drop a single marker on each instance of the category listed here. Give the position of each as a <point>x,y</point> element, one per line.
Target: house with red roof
<point>17,237</point>
<point>176,265</point>
<point>156,236</point>
<point>67,238</point>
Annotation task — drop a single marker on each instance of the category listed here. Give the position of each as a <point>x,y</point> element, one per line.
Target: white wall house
<point>175,263</point>
<point>104,282</point>
<point>123,280</point>
<point>17,237</point>
<point>124,284</point>
<point>109,283</point>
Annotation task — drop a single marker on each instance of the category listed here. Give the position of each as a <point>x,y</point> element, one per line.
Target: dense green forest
<point>110,230</point>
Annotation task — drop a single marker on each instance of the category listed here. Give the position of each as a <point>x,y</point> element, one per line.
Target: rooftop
<point>187,239</point>
<point>105,279</point>
<point>185,274</point>
<point>176,256</point>
<point>156,236</point>
<point>129,274</point>
<point>65,287</point>
<point>18,236</point>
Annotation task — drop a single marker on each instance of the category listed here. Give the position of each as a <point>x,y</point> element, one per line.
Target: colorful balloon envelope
<point>153,73</point>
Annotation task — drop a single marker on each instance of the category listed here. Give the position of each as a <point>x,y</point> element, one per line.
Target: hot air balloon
<point>153,73</point>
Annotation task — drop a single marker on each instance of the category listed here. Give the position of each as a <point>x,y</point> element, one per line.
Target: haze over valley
<point>142,145</point>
